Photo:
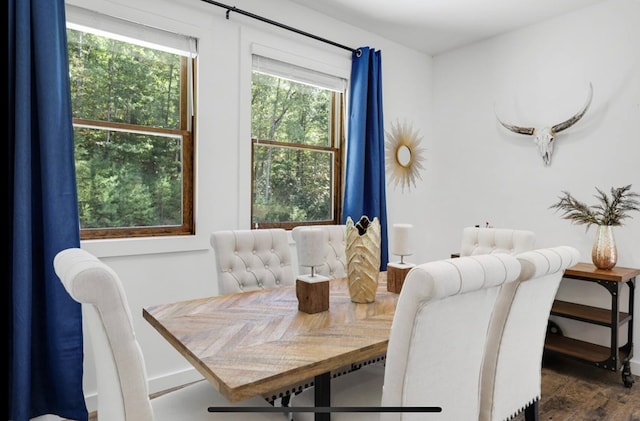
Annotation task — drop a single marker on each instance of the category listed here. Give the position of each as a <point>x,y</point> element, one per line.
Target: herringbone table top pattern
<point>251,343</point>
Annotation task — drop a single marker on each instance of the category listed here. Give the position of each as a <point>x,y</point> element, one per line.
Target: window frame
<point>337,143</point>
<point>186,132</point>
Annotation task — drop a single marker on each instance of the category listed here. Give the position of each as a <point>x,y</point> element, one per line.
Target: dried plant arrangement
<point>609,211</point>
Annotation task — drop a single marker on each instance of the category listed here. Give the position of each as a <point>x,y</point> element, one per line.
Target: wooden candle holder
<point>396,272</point>
<point>312,293</point>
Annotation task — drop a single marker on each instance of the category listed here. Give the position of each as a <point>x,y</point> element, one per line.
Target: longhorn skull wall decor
<point>544,137</point>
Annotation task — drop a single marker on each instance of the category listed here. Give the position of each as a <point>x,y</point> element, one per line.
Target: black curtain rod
<point>280,25</point>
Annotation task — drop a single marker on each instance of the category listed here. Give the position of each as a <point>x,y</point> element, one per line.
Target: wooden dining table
<point>252,343</point>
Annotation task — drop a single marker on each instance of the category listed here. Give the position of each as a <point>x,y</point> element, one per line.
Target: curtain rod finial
<point>229,10</point>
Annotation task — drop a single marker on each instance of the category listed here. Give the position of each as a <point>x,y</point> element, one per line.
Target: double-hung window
<point>132,96</point>
<point>297,135</point>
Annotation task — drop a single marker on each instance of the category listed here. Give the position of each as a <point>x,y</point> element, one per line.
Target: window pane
<point>120,82</point>
<point>291,185</point>
<point>128,179</point>
<point>289,112</point>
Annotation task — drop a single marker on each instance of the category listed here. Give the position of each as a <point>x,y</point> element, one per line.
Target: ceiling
<point>436,26</point>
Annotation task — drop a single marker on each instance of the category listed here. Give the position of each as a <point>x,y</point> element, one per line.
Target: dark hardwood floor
<point>573,391</point>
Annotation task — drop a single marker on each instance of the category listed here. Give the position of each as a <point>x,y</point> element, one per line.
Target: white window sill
<point>145,245</point>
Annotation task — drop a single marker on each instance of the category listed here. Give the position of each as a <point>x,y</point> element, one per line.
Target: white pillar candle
<point>311,250</point>
<point>401,245</point>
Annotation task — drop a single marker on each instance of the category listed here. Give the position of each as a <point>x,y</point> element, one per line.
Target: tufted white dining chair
<point>477,240</point>
<point>248,260</point>
<point>511,378</point>
<point>436,344</point>
<point>335,256</point>
<point>123,393</point>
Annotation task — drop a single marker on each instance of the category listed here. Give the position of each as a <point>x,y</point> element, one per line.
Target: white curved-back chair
<point>512,373</point>
<point>335,256</point>
<point>123,393</point>
<point>248,260</point>
<point>436,345</point>
<point>477,240</point>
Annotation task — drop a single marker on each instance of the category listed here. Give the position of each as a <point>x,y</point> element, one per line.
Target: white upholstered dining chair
<point>436,344</point>
<point>123,393</point>
<point>477,240</point>
<point>248,260</point>
<point>512,371</point>
<point>335,256</point>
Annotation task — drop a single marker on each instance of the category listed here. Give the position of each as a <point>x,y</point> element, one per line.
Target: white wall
<point>539,76</point>
<point>475,171</point>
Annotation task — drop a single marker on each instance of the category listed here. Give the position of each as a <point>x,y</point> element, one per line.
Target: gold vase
<point>604,253</point>
<point>363,259</point>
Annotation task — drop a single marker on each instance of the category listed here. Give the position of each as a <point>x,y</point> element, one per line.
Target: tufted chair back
<point>248,260</point>
<point>511,378</point>
<point>335,264</point>
<point>495,240</point>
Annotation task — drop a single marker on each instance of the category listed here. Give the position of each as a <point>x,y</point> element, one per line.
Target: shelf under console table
<point>614,357</point>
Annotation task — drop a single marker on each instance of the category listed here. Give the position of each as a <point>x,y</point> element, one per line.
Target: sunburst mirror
<point>404,155</point>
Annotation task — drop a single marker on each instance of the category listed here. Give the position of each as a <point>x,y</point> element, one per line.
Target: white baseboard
<point>635,367</point>
<point>156,384</point>
<point>178,378</point>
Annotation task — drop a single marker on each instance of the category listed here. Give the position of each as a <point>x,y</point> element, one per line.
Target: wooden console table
<point>615,356</point>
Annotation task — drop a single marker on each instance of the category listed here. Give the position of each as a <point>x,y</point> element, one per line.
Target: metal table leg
<point>322,396</point>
